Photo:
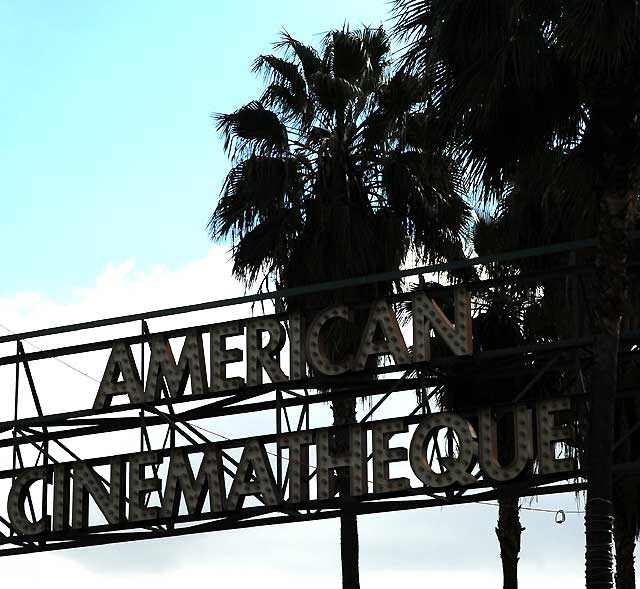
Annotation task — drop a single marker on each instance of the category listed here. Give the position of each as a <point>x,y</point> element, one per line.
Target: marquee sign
<point>225,423</point>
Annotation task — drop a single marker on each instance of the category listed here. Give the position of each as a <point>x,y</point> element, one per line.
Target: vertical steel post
<point>143,329</point>
<point>279,432</point>
<point>15,404</point>
<point>15,418</point>
<point>423,393</point>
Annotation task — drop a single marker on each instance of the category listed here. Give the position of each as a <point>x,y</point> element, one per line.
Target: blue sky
<point>107,150</point>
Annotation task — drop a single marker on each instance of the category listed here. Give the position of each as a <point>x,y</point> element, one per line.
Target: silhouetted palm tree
<point>553,202</point>
<point>511,316</point>
<point>513,77</point>
<point>568,210</point>
<point>506,316</point>
<point>334,176</point>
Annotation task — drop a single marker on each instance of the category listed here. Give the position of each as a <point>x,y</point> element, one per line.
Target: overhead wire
<point>39,349</point>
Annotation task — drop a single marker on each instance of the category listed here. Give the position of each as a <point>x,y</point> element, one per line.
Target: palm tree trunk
<point>625,539</point>
<point>509,532</point>
<point>611,279</point>
<point>349,550</point>
<point>344,412</point>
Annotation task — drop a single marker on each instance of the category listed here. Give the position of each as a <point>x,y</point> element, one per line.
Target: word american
<point>381,335</point>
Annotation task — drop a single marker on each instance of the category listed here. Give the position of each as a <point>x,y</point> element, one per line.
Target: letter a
<point>120,364</point>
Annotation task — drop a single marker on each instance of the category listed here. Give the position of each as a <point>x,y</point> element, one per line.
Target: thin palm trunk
<point>625,539</point>
<point>610,266</point>
<point>509,532</point>
<point>349,550</point>
<point>626,489</point>
<point>344,413</point>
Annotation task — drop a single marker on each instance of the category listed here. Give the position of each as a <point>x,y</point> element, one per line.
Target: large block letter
<point>355,461</point>
<point>253,477</point>
<point>383,455</point>
<point>259,356</point>
<point>298,444</point>
<point>181,481</point>
<point>86,482</point>
<point>163,367</point>
<point>17,496</point>
<point>427,314</point>
<point>550,431</point>
<point>297,360</point>
<point>61,496</point>
<point>140,486</point>
<point>317,346</point>
<point>221,356</point>
<point>382,319</point>
<point>522,444</point>
<point>456,469</point>
<point>120,378</point>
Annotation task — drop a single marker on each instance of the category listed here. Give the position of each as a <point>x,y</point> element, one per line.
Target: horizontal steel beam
<point>359,508</point>
<point>353,381</point>
<point>43,354</point>
<point>88,422</point>
<point>316,288</point>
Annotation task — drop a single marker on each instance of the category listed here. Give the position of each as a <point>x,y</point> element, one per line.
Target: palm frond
<point>293,107</point>
<point>401,93</point>
<point>494,75</point>
<point>423,189</point>
<point>377,44</point>
<point>255,190</point>
<point>333,93</point>
<point>254,128</point>
<point>487,236</point>
<point>279,70</point>
<point>307,56</point>
<point>266,246</point>
<point>350,58</point>
<point>598,36</point>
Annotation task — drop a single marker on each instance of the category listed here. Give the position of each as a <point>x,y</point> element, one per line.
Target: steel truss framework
<point>54,438</point>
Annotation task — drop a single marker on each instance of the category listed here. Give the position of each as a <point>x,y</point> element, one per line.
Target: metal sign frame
<point>53,435</point>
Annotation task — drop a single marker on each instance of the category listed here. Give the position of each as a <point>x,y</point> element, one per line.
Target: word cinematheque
<point>308,345</point>
<point>122,498</point>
